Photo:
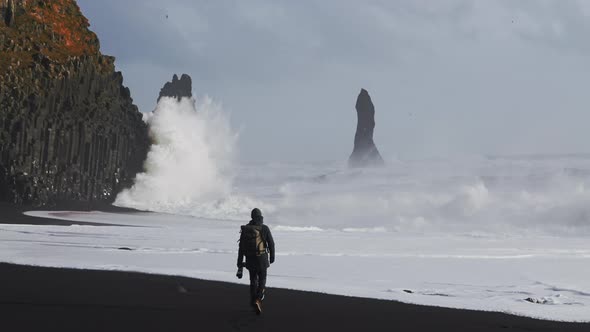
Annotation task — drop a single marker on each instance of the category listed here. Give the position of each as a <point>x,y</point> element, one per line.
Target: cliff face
<point>365,152</point>
<point>68,128</point>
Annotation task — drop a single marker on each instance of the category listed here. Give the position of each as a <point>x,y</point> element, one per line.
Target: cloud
<point>449,76</point>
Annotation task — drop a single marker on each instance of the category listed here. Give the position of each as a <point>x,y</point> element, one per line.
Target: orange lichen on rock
<point>69,131</point>
<point>52,29</point>
<point>67,22</point>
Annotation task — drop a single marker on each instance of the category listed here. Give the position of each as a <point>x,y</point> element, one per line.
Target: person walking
<point>258,246</point>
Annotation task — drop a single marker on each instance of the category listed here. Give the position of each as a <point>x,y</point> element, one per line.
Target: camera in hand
<point>240,272</point>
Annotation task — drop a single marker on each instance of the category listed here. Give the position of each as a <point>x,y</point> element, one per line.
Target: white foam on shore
<point>365,230</point>
<point>297,229</point>
<point>497,273</point>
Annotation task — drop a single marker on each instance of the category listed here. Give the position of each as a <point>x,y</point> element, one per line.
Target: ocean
<point>500,233</point>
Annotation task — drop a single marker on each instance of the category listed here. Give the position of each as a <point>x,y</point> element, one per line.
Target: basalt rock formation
<point>69,131</point>
<point>365,152</point>
<point>177,88</point>
<point>8,10</point>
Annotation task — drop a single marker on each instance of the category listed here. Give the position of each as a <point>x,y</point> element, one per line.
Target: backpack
<point>251,240</point>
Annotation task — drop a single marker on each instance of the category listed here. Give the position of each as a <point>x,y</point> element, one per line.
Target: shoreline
<point>35,298</point>
<point>15,215</point>
<point>11,214</point>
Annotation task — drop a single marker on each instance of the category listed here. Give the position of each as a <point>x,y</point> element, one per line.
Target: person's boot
<point>258,306</point>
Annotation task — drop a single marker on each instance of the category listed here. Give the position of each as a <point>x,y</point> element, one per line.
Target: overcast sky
<point>447,77</point>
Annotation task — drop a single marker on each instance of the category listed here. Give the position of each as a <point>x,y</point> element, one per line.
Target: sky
<point>447,77</point>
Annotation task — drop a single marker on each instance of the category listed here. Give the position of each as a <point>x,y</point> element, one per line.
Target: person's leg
<point>253,285</point>
<point>261,280</point>
<point>261,284</point>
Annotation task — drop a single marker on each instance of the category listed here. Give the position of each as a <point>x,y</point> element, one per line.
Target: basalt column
<point>69,131</point>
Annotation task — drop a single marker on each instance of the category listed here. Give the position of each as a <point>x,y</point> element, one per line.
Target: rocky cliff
<point>69,131</point>
<point>178,88</point>
<point>365,152</point>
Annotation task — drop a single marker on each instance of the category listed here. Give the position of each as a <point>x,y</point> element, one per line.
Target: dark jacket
<point>262,261</point>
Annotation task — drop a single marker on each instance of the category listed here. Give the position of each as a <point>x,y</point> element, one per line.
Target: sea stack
<point>365,153</point>
<point>69,131</point>
<point>178,88</point>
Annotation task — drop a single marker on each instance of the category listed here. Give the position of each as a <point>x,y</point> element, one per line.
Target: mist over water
<point>192,169</point>
<point>473,196</point>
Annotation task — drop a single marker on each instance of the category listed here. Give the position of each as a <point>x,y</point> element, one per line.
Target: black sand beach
<point>50,299</point>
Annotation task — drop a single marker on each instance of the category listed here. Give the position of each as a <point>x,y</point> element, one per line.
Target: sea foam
<point>189,168</point>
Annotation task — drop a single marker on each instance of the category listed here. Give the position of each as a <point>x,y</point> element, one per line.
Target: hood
<point>257,217</point>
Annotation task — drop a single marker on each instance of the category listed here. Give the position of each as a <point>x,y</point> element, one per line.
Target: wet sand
<point>52,299</point>
<point>11,214</point>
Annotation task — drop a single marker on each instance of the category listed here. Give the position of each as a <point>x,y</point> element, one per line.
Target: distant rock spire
<point>365,152</point>
<point>178,88</point>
